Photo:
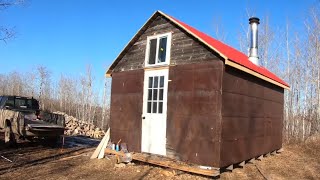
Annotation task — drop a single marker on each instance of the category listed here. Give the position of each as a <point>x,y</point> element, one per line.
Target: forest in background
<point>292,55</point>
<point>77,97</point>
<point>295,57</point>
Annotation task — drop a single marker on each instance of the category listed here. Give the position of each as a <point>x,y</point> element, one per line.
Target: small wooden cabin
<point>181,93</point>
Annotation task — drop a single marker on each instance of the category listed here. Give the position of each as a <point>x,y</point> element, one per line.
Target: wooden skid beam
<point>267,155</point>
<point>242,163</point>
<point>230,168</point>
<point>260,158</point>
<point>280,150</point>
<point>251,161</point>
<point>165,162</point>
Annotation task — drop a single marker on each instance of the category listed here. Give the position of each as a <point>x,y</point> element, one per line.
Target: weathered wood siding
<point>252,117</point>
<point>184,48</point>
<point>126,108</point>
<point>194,112</point>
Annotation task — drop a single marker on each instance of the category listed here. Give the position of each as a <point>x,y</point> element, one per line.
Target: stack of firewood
<point>75,127</point>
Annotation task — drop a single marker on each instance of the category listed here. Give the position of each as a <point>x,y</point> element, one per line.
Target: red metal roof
<point>231,53</point>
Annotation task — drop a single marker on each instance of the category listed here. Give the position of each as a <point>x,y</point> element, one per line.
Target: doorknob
<point>143,117</point>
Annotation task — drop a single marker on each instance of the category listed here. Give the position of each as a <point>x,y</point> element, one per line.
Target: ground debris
<point>131,164</point>
<point>6,159</point>
<point>40,161</point>
<point>120,165</point>
<point>168,173</point>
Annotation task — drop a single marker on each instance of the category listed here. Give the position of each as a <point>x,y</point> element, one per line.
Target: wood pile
<point>75,127</point>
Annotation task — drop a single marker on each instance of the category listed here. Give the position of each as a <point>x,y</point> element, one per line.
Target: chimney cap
<point>254,20</point>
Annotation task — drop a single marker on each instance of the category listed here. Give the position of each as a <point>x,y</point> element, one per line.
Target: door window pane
<point>152,51</point>
<point>161,81</point>
<point>155,94</point>
<point>162,50</point>
<point>155,82</point>
<point>160,94</point>
<point>149,107</point>
<point>154,107</point>
<point>150,82</point>
<point>160,107</point>
<point>149,94</point>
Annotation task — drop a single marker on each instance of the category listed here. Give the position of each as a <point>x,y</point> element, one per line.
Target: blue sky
<point>66,35</point>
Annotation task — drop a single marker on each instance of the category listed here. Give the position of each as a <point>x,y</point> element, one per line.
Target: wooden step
<point>169,163</point>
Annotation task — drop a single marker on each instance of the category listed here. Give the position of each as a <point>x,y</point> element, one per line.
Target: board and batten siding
<point>184,48</point>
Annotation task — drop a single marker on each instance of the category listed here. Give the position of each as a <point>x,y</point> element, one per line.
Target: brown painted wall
<point>194,112</point>
<point>126,108</point>
<point>184,48</point>
<point>252,117</point>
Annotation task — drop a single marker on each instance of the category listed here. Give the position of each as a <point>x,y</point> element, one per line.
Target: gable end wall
<point>184,48</point>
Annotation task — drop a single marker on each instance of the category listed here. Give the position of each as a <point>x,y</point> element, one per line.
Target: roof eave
<point>227,61</point>
<point>192,34</point>
<point>249,71</point>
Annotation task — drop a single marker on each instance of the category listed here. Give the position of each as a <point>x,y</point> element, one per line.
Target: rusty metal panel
<point>252,117</point>
<point>126,108</point>
<point>194,106</point>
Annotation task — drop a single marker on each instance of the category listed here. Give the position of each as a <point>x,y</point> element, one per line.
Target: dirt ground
<point>35,161</point>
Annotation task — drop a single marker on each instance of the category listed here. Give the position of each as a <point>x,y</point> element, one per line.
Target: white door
<point>154,117</point>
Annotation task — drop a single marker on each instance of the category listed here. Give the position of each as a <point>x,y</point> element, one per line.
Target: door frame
<point>164,71</point>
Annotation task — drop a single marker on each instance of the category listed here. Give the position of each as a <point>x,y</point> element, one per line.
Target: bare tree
<point>7,33</point>
<point>219,32</point>
<point>44,86</point>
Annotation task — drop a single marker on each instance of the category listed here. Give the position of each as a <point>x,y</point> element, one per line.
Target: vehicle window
<point>20,103</point>
<point>10,102</point>
<point>3,100</point>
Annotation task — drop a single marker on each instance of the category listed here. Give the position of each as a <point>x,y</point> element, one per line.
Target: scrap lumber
<point>101,144</point>
<point>169,163</point>
<point>105,143</point>
<point>6,159</point>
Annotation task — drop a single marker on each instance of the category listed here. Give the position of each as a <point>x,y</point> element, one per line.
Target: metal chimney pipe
<point>253,52</point>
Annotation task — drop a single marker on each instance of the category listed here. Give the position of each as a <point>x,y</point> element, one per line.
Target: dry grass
<point>298,161</point>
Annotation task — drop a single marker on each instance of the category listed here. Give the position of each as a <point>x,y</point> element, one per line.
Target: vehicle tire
<point>9,137</point>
